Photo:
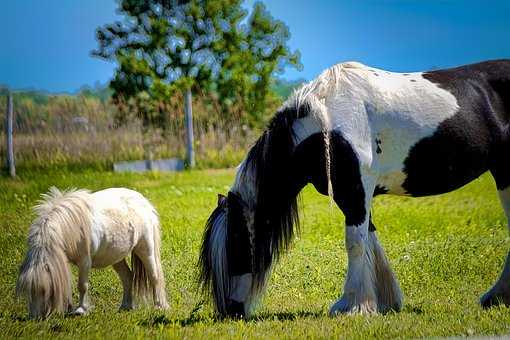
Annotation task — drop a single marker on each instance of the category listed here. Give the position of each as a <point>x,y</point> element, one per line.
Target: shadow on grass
<point>286,316</point>
<point>161,319</point>
<point>412,309</point>
<point>158,320</point>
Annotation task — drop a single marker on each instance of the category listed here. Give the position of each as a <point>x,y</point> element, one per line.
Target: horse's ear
<point>221,199</point>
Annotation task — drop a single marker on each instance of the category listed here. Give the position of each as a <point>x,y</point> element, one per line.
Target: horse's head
<point>227,256</point>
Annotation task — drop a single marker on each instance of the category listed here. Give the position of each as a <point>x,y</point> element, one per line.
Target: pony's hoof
<point>344,306</point>
<point>81,311</point>
<point>162,306</point>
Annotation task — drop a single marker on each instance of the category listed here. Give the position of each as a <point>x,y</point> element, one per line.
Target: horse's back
<point>123,217</point>
<point>423,133</point>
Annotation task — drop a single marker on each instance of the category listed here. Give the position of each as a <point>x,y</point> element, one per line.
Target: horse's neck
<point>245,183</point>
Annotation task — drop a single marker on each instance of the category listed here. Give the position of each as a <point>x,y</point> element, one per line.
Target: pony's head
<point>227,257</point>
<point>63,220</point>
<point>44,280</point>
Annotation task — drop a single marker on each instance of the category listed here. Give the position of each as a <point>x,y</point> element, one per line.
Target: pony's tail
<point>45,281</point>
<point>160,289</point>
<point>140,278</point>
<point>143,286</point>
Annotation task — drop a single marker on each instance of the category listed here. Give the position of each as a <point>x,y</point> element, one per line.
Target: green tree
<point>164,46</point>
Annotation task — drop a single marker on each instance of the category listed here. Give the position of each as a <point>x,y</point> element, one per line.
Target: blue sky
<point>46,44</point>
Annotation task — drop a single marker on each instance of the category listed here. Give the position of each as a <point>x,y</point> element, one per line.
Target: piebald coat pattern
<point>356,132</point>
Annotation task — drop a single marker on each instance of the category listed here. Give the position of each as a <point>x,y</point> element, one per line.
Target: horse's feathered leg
<point>126,277</point>
<point>83,285</point>
<point>359,294</point>
<point>389,296</point>
<point>370,285</point>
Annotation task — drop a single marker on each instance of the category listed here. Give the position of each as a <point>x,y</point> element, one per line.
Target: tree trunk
<point>8,132</point>
<point>188,114</point>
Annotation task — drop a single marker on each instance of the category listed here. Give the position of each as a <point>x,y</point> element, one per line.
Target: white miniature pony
<point>91,230</point>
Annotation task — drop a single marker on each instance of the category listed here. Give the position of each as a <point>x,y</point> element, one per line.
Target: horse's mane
<point>276,205</point>
<point>270,163</point>
<point>266,182</point>
<point>276,213</point>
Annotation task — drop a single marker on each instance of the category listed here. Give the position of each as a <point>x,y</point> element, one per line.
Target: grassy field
<point>446,251</point>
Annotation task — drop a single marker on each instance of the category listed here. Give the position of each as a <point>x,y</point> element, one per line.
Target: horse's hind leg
<point>126,277</point>
<point>500,292</point>
<point>500,170</point>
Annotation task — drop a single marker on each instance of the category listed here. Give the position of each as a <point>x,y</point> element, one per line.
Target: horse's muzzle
<point>235,309</point>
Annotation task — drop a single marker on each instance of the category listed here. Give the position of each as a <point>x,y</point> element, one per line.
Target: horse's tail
<point>44,277</point>
<point>142,285</point>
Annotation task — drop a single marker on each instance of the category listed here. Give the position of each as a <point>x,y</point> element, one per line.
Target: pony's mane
<point>64,215</point>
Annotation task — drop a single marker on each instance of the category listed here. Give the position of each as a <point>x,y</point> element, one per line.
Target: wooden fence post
<point>8,133</point>
<point>188,111</point>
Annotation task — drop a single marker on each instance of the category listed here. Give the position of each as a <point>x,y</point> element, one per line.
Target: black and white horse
<point>356,132</point>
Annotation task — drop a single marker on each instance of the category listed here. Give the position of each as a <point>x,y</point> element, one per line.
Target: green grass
<point>446,251</point>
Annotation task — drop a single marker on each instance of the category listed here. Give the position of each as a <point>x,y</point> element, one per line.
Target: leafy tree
<point>164,46</point>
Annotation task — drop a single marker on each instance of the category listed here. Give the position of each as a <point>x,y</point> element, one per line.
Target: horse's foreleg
<point>370,285</point>
<point>360,295</point>
<point>83,285</point>
<point>500,292</point>
<point>126,277</point>
<point>389,296</point>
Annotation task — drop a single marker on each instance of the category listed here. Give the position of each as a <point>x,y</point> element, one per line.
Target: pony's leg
<point>500,292</point>
<point>126,277</point>
<point>83,285</point>
<point>370,285</point>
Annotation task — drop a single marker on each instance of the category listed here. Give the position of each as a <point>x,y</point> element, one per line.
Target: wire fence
<point>66,130</point>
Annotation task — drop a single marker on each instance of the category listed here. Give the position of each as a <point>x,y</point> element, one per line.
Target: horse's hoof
<point>493,298</point>
<point>344,306</point>
<point>125,308</point>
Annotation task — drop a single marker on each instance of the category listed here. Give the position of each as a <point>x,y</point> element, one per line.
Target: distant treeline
<point>82,128</point>
<point>37,111</point>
